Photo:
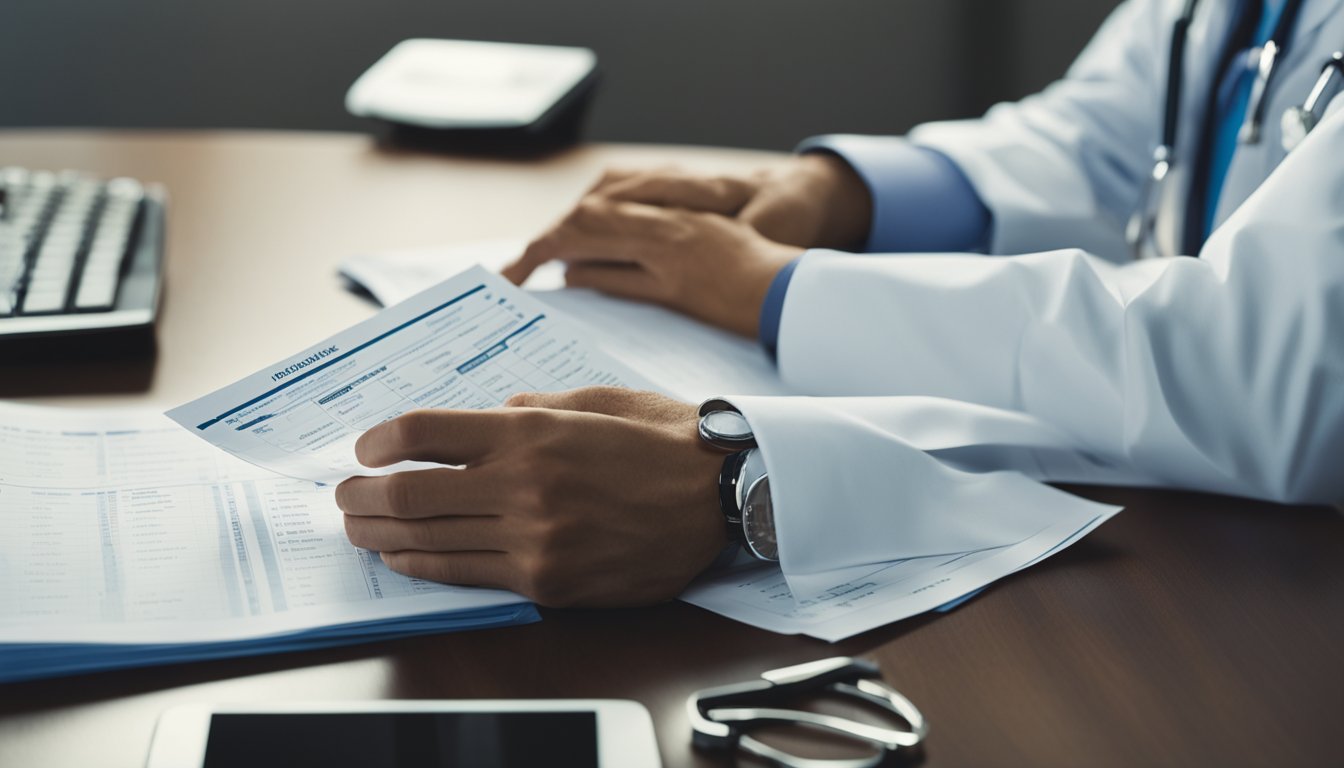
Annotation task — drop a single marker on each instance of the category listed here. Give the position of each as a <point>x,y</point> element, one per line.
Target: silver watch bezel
<point>737,440</point>
<point>753,493</point>
<point>752,488</point>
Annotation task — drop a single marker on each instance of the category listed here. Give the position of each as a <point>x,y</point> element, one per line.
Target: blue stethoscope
<point>1297,121</point>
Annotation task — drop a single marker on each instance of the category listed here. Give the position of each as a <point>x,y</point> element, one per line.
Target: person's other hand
<point>706,265</point>
<point>814,200</point>
<point>594,497</point>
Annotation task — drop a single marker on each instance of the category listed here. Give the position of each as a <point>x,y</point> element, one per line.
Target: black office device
<point>81,262</point>
<point>477,97</point>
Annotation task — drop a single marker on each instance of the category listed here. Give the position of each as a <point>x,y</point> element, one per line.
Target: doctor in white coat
<point>1017,328</point>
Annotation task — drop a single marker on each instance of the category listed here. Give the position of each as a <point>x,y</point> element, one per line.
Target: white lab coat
<point>1222,373</point>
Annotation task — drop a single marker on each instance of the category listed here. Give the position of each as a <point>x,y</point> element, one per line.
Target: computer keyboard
<point>77,254</point>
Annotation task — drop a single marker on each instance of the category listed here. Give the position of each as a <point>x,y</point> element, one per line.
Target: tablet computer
<point>584,733</point>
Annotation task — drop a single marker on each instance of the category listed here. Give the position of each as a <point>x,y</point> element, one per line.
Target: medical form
<point>125,541</point>
<point>685,357</point>
<point>468,342</point>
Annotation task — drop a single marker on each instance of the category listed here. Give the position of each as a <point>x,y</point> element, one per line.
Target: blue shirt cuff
<point>772,310</point>
<point>922,201</point>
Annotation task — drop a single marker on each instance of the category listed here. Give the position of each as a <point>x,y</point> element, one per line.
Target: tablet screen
<point>403,740</point>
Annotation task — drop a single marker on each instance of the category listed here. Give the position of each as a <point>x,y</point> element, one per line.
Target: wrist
<point>846,202</point>
<point>773,258</point>
<point>695,514</point>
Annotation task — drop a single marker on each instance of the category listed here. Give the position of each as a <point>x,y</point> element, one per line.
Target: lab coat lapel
<point>1297,72</point>
<point>1313,15</point>
<point>1205,39</point>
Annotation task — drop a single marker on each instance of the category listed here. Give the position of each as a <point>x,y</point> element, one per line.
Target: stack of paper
<point>124,541</point>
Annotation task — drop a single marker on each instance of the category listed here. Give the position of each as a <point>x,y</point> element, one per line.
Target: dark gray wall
<point>755,73</point>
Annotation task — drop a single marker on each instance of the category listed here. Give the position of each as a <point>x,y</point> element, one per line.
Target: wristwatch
<point>744,487</point>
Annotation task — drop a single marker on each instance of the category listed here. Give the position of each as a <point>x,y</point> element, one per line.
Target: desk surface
<point>1188,630</point>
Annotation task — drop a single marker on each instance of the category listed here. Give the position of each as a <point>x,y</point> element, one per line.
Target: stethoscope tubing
<point>1141,230</point>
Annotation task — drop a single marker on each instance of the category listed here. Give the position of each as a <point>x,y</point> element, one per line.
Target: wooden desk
<point>1189,630</point>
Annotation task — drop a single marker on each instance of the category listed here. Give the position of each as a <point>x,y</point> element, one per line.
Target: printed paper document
<point>469,342</point>
<point>868,597</point>
<point>124,540</point>
<point>682,356</point>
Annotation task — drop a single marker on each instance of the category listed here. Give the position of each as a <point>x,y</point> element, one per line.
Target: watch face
<point>726,429</point>
<point>726,424</point>
<point>758,521</point>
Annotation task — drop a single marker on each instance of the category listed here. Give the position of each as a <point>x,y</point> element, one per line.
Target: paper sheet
<point>684,357</point>
<point>695,361</point>
<point>867,597</point>
<point>469,342</point>
<point>121,528</point>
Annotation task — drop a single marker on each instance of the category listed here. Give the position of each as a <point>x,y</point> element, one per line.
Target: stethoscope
<point>1297,121</point>
<point>721,717</point>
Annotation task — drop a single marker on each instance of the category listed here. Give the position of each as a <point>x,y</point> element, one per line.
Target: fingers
<point>600,216</point>
<point>537,253</point>
<point>596,230</point>
<point>723,195</point>
<point>634,204</point>
<point>440,534</point>
<point>613,176</point>
<point>521,269</point>
<point>604,233</point>
<point>570,245</point>
<point>472,569</point>
<point>420,494</point>
<point>625,280</point>
<point>442,436</point>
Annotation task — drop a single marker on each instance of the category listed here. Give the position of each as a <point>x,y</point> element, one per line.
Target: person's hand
<point>814,200</point>
<point>594,497</point>
<point>706,265</point>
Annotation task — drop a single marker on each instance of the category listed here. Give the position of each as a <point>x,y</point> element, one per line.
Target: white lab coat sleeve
<point>866,480</point>
<point>1064,168</point>
<point>1222,373</point>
